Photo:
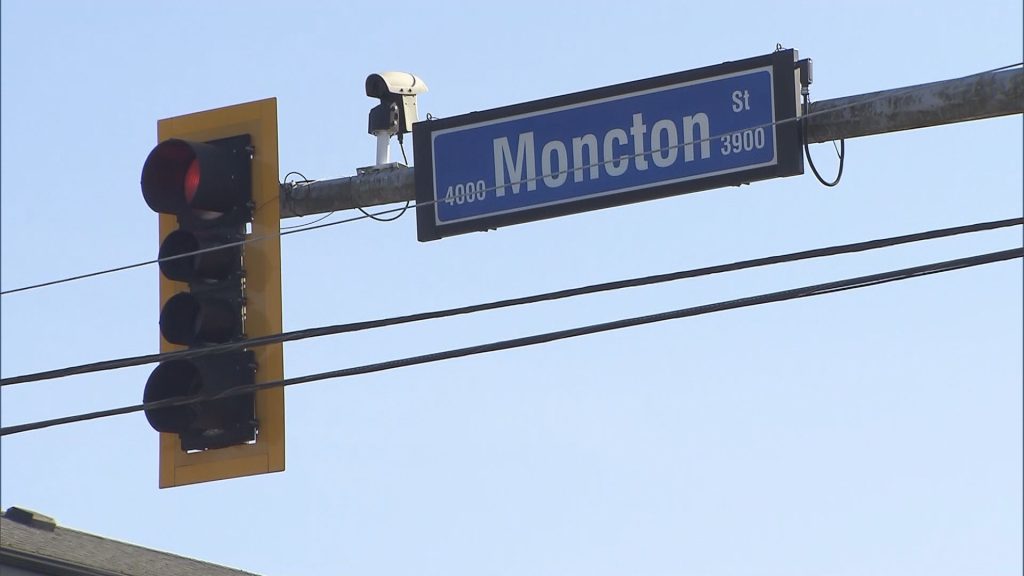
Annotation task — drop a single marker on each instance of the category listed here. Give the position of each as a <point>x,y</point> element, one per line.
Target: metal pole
<point>976,97</point>
<point>383,146</point>
<point>386,186</point>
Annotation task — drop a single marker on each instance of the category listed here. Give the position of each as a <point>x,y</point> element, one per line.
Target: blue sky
<point>872,431</point>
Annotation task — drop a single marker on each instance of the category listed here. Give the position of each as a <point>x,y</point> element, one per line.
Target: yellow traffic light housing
<point>213,178</point>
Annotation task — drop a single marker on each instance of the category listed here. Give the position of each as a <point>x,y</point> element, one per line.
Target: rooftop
<point>30,540</point>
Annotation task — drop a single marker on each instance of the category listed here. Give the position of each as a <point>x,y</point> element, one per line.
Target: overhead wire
<point>366,215</point>
<point>802,292</point>
<point>510,302</point>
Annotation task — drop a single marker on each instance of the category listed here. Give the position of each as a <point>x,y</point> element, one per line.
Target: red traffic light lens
<point>191,180</point>
<point>170,177</point>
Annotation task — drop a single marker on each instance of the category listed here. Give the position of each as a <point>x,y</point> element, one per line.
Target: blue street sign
<point>706,128</point>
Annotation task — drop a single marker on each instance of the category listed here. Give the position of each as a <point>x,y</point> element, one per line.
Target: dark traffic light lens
<point>173,379</point>
<point>188,320</point>
<point>173,262</point>
<point>180,261</point>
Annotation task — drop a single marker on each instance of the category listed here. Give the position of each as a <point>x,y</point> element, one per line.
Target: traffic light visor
<point>181,176</point>
<point>176,378</point>
<point>210,423</point>
<point>186,257</point>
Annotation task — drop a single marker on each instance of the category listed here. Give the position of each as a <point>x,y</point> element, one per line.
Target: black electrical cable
<point>249,240</point>
<point>803,292</point>
<point>548,296</point>
<point>405,159</point>
<point>807,149</point>
<point>307,224</point>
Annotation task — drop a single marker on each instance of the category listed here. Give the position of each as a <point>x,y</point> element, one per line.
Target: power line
<point>249,240</point>
<point>806,291</point>
<point>376,215</point>
<point>547,296</point>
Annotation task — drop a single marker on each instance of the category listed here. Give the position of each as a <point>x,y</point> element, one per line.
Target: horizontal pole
<point>975,97</point>
<point>386,186</point>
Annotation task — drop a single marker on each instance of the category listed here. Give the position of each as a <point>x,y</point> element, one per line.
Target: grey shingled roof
<point>69,551</point>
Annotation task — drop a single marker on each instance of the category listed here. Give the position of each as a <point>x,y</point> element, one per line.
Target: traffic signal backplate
<point>258,119</point>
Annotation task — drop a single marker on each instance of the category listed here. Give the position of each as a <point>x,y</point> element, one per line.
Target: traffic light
<point>213,180</point>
